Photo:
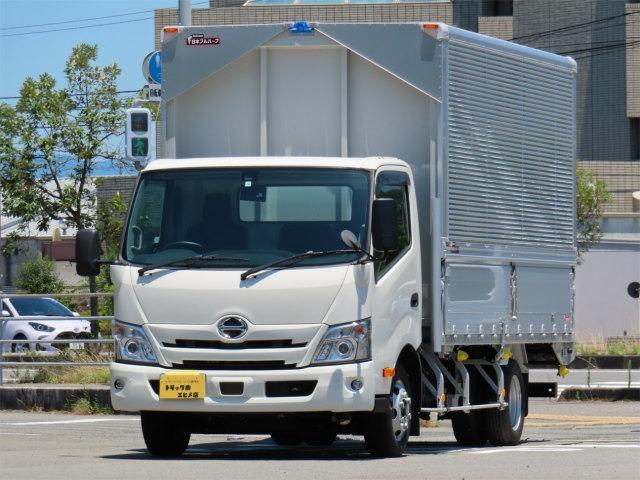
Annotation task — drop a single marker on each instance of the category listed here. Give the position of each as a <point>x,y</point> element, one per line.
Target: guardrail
<point>31,364</point>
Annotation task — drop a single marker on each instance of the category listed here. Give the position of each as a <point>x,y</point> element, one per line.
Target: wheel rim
<point>20,347</point>
<point>515,403</point>
<point>400,410</point>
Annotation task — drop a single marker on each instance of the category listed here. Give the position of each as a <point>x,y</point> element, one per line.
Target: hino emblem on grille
<point>232,327</point>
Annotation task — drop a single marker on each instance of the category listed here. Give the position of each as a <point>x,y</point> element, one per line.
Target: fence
<point>62,341</point>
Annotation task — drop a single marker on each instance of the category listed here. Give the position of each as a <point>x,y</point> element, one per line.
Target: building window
<point>635,138</point>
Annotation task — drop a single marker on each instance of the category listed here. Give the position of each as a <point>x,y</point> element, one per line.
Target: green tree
<point>592,196</point>
<point>111,215</point>
<point>38,275</point>
<point>51,141</point>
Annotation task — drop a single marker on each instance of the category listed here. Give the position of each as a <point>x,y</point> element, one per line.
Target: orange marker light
<point>170,29</point>
<point>388,372</point>
<point>430,26</point>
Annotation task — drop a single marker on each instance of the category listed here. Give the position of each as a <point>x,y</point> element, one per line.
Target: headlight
<point>41,327</point>
<point>132,344</point>
<point>347,342</point>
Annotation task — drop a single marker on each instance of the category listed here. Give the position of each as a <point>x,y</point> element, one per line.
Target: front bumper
<point>332,392</point>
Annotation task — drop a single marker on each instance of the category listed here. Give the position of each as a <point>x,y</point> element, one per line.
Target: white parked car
<point>36,333</point>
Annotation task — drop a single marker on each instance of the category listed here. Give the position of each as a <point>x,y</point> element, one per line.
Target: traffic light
<point>138,134</point>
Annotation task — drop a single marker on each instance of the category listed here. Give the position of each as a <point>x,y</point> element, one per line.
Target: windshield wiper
<point>290,261</point>
<point>191,261</point>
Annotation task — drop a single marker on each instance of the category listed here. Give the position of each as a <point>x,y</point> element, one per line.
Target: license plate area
<point>182,385</point>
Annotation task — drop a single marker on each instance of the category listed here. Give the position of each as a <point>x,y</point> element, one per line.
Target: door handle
<point>415,300</point>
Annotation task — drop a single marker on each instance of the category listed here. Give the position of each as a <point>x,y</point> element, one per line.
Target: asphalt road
<point>564,440</point>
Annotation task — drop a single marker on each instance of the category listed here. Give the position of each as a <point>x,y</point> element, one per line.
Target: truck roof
<point>364,163</point>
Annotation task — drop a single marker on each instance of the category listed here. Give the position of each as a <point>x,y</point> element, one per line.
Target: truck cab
<point>239,268</point>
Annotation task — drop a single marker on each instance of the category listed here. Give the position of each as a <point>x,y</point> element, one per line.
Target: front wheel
<point>387,434</point>
<point>504,427</point>
<point>165,434</point>
<point>20,347</point>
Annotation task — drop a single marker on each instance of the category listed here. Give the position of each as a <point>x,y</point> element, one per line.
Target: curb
<point>609,394</point>
<point>52,397</point>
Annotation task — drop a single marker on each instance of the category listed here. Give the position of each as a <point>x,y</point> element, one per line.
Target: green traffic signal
<point>139,146</point>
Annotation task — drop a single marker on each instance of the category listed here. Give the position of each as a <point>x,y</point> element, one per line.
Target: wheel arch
<point>410,360</point>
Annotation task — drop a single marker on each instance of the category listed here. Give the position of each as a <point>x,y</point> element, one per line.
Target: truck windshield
<point>252,216</point>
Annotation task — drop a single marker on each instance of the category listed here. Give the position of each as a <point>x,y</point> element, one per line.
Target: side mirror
<point>87,253</point>
<point>6,313</point>
<point>349,239</point>
<point>384,224</point>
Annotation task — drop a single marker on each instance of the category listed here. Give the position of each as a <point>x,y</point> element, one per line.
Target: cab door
<point>396,317</point>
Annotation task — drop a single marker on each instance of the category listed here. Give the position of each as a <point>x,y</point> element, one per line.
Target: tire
<point>321,438</point>
<point>504,427</point>
<point>20,347</point>
<point>286,439</point>
<point>165,434</point>
<point>470,428</point>
<point>387,434</point>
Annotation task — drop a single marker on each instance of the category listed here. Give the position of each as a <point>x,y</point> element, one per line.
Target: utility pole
<point>184,12</point>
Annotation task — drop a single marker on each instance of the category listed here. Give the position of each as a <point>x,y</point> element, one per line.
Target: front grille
<point>216,344</point>
<point>229,365</point>
<point>299,388</point>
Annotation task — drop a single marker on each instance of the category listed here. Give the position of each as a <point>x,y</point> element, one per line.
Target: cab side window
<point>394,185</point>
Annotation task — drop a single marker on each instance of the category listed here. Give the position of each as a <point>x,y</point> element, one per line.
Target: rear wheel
<point>469,428</point>
<point>286,439</point>
<point>504,427</point>
<point>165,434</point>
<point>387,434</point>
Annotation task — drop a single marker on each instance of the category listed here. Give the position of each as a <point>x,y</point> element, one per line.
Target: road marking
<point>65,422</point>
<point>577,447</point>
<point>22,434</point>
<point>489,451</point>
<point>584,419</point>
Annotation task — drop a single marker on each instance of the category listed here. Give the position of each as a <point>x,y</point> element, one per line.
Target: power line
<point>75,28</point>
<point>569,27</point>
<point>73,21</point>
<point>119,92</point>
<point>83,19</point>
<point>78,27</point>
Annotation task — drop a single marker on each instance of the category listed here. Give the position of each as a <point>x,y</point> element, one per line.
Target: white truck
<point>356,226</point>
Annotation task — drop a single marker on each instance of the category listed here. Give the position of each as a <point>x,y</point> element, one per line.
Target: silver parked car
<point>37,333</point>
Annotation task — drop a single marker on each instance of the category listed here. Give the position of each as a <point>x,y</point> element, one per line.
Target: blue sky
<point>29,53</point>
<point>25,53</point>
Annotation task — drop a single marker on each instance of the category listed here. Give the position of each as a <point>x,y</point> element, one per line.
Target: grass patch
<point>86,405</point>
<point>82,375</point>
<point>594,345</point>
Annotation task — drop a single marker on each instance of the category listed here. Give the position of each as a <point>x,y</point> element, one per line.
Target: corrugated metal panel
<point>510,149</point>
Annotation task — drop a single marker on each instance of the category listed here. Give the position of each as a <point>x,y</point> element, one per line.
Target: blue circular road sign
<point>152,67</point>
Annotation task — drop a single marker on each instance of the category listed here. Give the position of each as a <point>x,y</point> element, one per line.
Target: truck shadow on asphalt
<point>265,449</point>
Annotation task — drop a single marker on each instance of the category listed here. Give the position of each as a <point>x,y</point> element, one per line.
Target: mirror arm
<point>106,262</point>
